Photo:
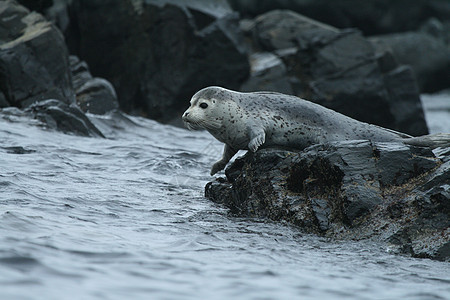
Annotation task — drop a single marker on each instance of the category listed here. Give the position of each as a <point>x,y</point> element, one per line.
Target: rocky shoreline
<point>150,57</point>
<point>38,76</point>
<point>80,57</point>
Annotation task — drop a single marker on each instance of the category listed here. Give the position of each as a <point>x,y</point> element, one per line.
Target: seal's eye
<point>203,105</point>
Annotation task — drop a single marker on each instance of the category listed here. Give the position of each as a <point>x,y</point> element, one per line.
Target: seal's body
<point>248,121</point>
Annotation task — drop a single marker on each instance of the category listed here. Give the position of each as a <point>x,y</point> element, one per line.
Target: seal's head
<point>203,112</point>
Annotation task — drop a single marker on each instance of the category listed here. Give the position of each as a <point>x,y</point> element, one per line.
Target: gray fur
<point>249,121</point>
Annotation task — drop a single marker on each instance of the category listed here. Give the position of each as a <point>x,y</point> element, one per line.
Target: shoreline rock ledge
<point>353,190</point>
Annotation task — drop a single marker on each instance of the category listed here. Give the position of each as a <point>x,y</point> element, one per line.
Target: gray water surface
<point>125,218</point>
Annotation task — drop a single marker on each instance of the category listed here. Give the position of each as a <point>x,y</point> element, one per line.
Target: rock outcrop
<point>156,68</point>
<point>387,192</point>
<point>37,75</point>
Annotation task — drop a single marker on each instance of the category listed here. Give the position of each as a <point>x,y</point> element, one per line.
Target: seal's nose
<point>186,113</point>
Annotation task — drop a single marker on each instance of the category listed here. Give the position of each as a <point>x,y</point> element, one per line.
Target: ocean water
<point>125,218</point>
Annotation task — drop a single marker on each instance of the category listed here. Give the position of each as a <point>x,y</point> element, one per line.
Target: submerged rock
<point>388,192</point>
<point>339,69</point>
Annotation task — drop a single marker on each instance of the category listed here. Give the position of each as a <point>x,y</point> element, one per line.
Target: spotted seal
<point>249,121</point>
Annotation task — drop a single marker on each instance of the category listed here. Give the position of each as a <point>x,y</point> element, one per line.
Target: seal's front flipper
<point>228,153</point>
<point>257,138</point>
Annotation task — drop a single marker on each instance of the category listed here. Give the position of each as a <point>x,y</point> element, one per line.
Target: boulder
<point>387,192</point>
<point>94,95</point>
<point>428,56</point>
<point>157,54</point>
<point>339,69</point>
<point>34,62</point>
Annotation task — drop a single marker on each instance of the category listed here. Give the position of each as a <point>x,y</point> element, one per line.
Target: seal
<point>249,121</point>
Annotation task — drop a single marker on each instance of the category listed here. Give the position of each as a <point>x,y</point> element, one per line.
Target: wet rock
<point>34,61</point>
<point>60,116</point>
<point>428,56</point>
<point>387,192</point>
<point>157,54</point>
<point>339,69</point>
<point>94,95</point>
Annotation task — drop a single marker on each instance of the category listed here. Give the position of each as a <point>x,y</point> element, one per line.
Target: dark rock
<point>371,16</point>
<point>387,192</point>
<point>428,56</point>
<point>94,95</point>
<point>339,69</point>
<point>157,54</point>
<point>63,117</point>
<point>34,61</point>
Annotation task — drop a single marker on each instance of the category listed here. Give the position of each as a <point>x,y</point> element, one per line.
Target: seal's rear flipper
<point>431,141</point>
